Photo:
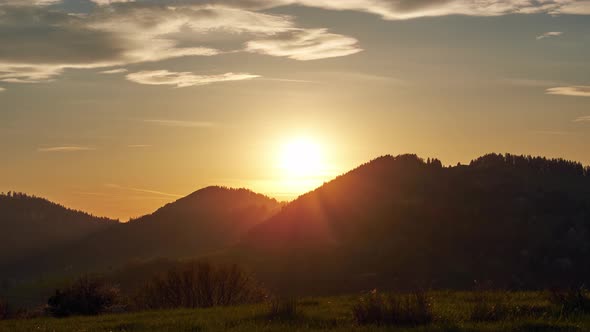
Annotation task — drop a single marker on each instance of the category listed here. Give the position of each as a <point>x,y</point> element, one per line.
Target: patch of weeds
<point>545,327</point>
<point>309,303</point>
<point>486,310</point>
<point>281,309</point>
<point>125,327</point>
<point>395,309</point>
<point>572,301</point>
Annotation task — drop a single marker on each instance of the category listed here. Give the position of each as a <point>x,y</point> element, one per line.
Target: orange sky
<point>132,105</point>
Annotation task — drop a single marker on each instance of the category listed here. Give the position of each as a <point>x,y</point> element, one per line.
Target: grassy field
<point>530,311</point>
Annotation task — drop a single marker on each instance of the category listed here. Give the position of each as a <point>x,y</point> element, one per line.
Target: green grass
<point>528,311</point>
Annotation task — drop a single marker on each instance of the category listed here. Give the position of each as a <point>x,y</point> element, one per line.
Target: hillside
<point>207,220</point>
<point>31,225</point>
<point>509,221</point>
<point>512,221</point>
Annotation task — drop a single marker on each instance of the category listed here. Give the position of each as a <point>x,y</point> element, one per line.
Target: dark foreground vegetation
<point>200,296</point>
<point>440,311</point>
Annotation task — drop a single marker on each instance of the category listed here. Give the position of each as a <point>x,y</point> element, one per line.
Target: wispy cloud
<point>287,80</point>
<point>181,123</point>
<point>118,34</point>
<point>71,148</point>
<point>575,91</point>
<point>142,190</point>
<point>305,44</point>
<point>28,2</point>
<point>138,146</point>
<point>532,82</point>
<point>583,119</point>
<point>406,9</point>
<point>549,34</point>
<point>40,42</point>
<point>2,89</point>
<point>556,133</point>
<point>114,71</point>
<point>184,79</point>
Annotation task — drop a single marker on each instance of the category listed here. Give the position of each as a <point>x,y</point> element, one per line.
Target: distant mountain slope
<point>514,220</point>
<point>30,225</point>
<point>207,220</point>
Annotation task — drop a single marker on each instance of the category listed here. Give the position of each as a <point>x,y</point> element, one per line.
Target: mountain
<point>209,219</point>
<point>512,221</point>
<point>30,225</point>
<point>205,221</point>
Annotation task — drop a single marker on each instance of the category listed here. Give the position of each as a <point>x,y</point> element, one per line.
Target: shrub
<point>4,311</point>
<point>369,309</point>
<point>86,296</point>
<point>487,310</point>
<point>282,309</point>
<point>572,301</point>
<point>396,309</point>
<point>198,285</point>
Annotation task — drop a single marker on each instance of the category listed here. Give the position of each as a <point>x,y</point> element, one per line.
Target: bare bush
<point>572,301</point>
<point>487,310</point>
<point>86,296</point>
<point>282,309</point>
<point>396,309</point>
<point>4,311</point>
<point>198,285</point>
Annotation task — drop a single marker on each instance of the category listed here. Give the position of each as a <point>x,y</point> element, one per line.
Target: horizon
<point>276,197</point>
<point>118,107</point>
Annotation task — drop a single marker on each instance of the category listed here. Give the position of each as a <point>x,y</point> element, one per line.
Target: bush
<point>4,311</point>
<point>86,296</point>
<point>198,285</point>
<point>282,309</point>
<point>396,309</point>
<point>369,309</point>
<point>572,301</point>
<point>487,310</point>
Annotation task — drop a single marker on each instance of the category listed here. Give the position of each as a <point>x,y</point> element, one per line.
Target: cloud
<point>28,2</point>
<point>182,123</point>
<point>576,91</point>
<point>184,79</point>
<point>555,133</point>
<point>583,119</point>
<point>114,71</point>
<point>138,146</point>
<point>65,149</point>
<point>141,190</point>
<point>305,44</point>
<point>109,2</point>
<point>408,9</point>
<point>531,82</point>
<point>40,41</point>
<point>401,9</point>
<point>550,34</point>
<point>2,89</point>
<point>580,7</point>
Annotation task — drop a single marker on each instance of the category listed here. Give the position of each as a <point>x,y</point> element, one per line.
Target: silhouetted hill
<point>516,221</point>
<point>30,225</point>
<point>207,220</point>
<point>399,221</point>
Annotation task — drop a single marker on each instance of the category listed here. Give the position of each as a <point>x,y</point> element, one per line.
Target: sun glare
<point>301,157</point>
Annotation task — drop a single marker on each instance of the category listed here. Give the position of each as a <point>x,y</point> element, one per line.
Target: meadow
<point>452,311</point>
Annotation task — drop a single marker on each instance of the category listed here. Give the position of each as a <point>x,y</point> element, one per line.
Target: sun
<point>301,157</point>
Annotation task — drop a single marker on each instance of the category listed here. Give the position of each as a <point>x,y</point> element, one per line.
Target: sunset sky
<point>118,107</point>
